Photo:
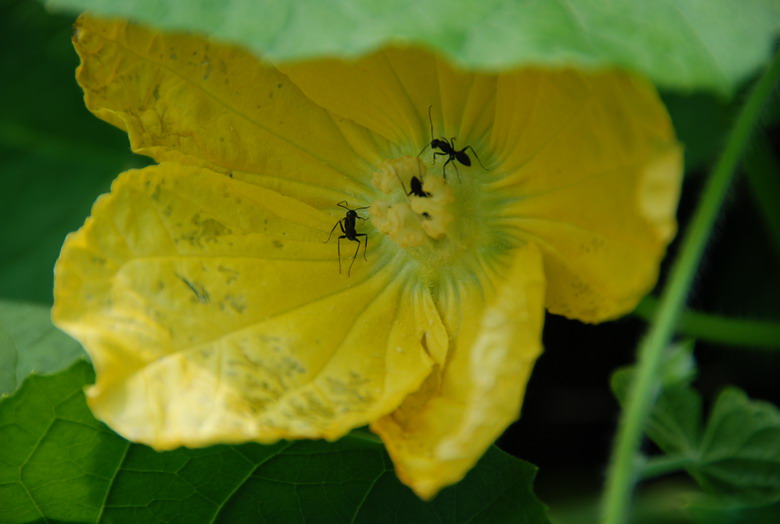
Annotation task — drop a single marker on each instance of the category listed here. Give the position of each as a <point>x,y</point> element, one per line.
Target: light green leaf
<point>58,463</point>
<point>740,448</point>
<point>29,342</point>
<point>683,44</point>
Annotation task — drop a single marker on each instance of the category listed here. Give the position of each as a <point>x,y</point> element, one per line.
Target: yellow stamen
<point>411,219</point>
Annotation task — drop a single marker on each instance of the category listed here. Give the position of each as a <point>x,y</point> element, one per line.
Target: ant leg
<point>476,156</point>
<point>444,168</point>
<point>338,243</point>
<point>355,255</point>
<point>457,172</point>
<point>365,244</point>
<point>332,230</point>
<point>438,154</point>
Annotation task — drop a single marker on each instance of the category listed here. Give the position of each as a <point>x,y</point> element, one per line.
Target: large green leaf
<point>58,463</point>
<point>678,43</point>
<point>29,342</point>
<point>56,156</point>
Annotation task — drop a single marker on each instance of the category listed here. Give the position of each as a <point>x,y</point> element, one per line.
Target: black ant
<point>417,188</point>
<point>348,228</point>
<point>448,149</point>
<point>415,183</point>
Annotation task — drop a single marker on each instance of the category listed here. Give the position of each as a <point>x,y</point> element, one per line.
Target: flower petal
<point>187,99</point>
<point>595,169</point>
<point>214,312</point>
<point>389,92</point>
<point>441,431</point>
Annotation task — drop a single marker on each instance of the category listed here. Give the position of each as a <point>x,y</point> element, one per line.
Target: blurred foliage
<point>56,157</point>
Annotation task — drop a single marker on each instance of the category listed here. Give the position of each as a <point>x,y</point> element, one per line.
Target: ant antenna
<point>430,119</point>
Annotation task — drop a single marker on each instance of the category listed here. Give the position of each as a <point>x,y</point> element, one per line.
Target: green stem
<point>718,329</point>
<point>623,467</point>
<point>663,465</point>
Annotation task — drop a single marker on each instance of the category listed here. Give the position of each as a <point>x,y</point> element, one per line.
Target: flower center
<point>415,211</point>
<point>447,230</point>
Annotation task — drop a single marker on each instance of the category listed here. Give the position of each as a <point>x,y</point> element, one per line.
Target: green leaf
<point>674,423</point>
<point>738,452</point>
<point>46,461</point>
<point>740,448</point>
<point>679,366</point>
<point>56,156</point>
<point>58,463</point>
<point>29,342</point>
<point>684,44</point>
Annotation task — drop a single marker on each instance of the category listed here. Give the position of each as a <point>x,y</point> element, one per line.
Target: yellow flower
<point>215,311</point>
